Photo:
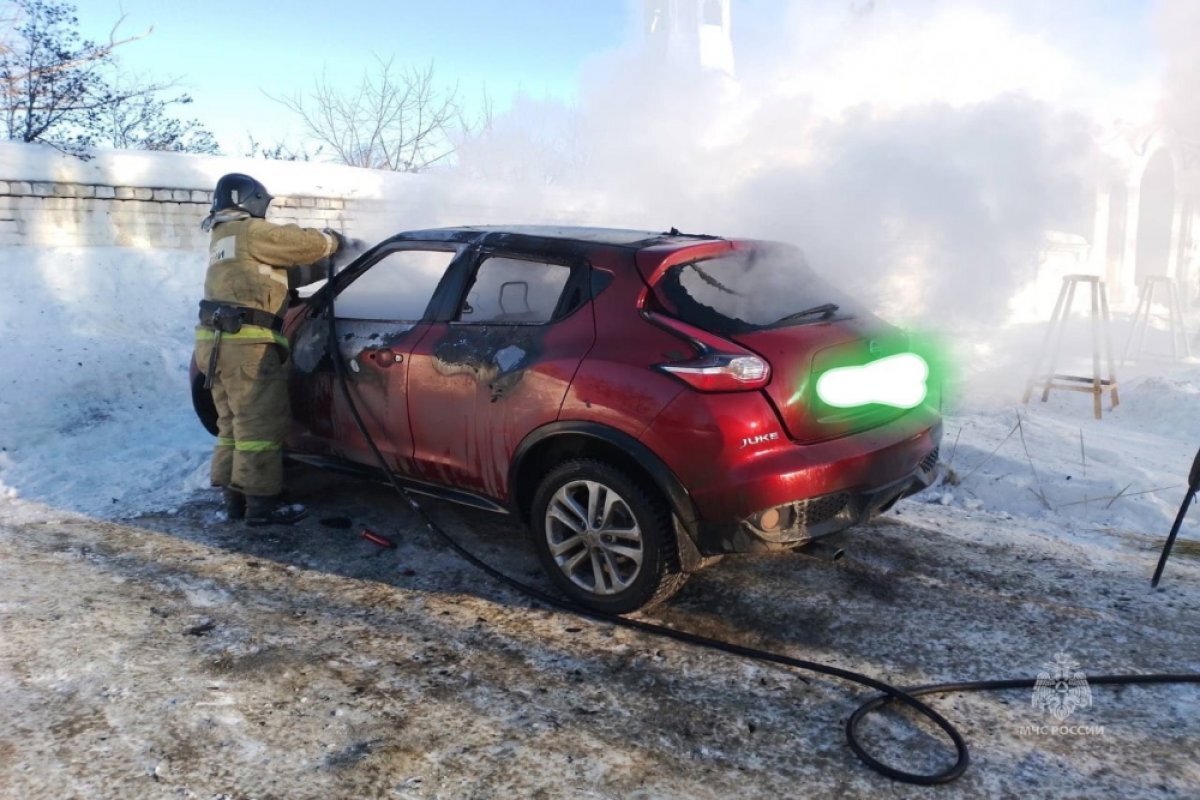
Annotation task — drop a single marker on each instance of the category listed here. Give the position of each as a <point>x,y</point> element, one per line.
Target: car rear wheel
<point>604,540</point>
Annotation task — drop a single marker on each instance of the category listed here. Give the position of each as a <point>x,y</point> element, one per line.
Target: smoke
<point>1179,27</point>
<point>928,212</point>
<point>918,155</point>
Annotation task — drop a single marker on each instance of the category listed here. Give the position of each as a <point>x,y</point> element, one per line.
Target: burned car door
<point>379,309</point>
<point>479,382</point>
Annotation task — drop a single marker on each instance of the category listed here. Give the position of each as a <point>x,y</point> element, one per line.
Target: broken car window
<point>514,291</point>
<point>396,288</point>
<point>750,290</point>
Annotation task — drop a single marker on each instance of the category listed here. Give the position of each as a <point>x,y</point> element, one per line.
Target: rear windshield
<point>749,290</point>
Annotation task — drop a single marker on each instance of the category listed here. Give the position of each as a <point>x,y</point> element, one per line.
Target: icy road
<point>173,656</point>
<point>148,650</point>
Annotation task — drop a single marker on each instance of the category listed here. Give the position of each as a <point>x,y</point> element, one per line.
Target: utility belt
<point>225,318</point>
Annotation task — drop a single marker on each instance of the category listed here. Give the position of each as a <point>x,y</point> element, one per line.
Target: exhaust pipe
<point>822,551</point>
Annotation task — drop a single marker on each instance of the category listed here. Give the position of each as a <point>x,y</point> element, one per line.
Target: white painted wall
<point>56,214</point>
<point>157,200</point>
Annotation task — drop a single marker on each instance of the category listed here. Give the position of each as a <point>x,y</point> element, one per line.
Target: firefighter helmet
<point>236,190</point>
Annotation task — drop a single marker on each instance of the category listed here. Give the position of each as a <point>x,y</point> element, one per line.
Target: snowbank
<point>1104,485</point>
<point>95,410</point>
<point>31,162</point>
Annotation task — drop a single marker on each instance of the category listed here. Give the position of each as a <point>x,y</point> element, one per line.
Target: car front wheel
<point>604,540</point>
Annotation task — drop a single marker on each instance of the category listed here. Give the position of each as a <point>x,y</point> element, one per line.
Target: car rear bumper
<point>815,490</point>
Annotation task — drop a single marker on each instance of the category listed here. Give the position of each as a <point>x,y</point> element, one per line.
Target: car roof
<point>617,237</point>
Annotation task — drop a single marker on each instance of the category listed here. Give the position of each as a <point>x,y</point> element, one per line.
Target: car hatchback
<point>644,402</point>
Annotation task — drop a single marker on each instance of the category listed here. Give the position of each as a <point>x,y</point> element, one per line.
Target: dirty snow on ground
<point>148,649</point>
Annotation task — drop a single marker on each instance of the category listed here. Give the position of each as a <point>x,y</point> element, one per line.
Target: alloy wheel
<point>594,537</point>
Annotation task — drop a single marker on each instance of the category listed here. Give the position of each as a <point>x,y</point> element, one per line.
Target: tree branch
<point>395,119</point>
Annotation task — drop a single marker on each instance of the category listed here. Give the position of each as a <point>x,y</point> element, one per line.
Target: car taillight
<point>722,373</point>
<point>721,365</point>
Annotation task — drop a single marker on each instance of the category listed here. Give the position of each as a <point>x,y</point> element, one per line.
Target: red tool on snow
<point>375,538</point>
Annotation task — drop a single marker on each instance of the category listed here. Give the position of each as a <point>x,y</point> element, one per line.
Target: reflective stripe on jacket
<point>250,334</point>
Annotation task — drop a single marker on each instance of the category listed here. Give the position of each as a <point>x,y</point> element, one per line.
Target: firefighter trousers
<point>249,389</point>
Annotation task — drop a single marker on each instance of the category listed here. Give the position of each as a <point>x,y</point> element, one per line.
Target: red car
<point>644,402</point>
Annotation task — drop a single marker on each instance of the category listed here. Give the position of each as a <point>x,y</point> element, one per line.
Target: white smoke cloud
<point>917,152</point>
<point>1179,27</point>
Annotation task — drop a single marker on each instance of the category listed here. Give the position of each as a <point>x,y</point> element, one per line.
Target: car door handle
<point>385,357</point>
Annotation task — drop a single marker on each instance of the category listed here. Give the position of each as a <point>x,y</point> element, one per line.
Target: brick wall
<point>59,214</point>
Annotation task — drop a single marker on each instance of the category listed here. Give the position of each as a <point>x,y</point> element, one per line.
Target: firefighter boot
<point>272,510</point>
<point>235,504</point>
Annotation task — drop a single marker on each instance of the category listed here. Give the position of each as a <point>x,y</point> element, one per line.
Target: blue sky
<point>227,56</point>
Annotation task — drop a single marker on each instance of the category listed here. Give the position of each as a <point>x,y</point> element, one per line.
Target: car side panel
<point>377,356</point>
<point>476,391</point>
<point>374,353</point>
<point>616,384</point>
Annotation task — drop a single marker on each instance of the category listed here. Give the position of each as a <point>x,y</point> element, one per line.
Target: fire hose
<point>888,693</point>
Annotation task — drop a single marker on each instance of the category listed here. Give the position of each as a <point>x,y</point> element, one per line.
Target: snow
<point>140,168</point>
<point>1121,475</point>
<point>96,427</point>
<point>147,649</point>
<point>95,415</point>
<point>94,352</point>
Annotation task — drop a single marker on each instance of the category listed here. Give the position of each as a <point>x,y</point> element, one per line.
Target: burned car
<point>643,402</point>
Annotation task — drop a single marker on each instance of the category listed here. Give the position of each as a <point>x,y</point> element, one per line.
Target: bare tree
<point>281,150</point>
<point>142,121</point>
<point>52,84</point>
<point>8,27</point>
<point>61,90</point>
<point>398,119</point>
<point>34,19</point>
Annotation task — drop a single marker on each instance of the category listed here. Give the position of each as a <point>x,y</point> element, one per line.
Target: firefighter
<point>252,266</point>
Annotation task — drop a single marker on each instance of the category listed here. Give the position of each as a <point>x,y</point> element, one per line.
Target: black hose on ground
<point>1193,488</point>
<point>889,694</point>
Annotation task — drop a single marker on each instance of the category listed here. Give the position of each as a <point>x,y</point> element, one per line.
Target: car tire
<point>202,403</point>
<point>604,540</point>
